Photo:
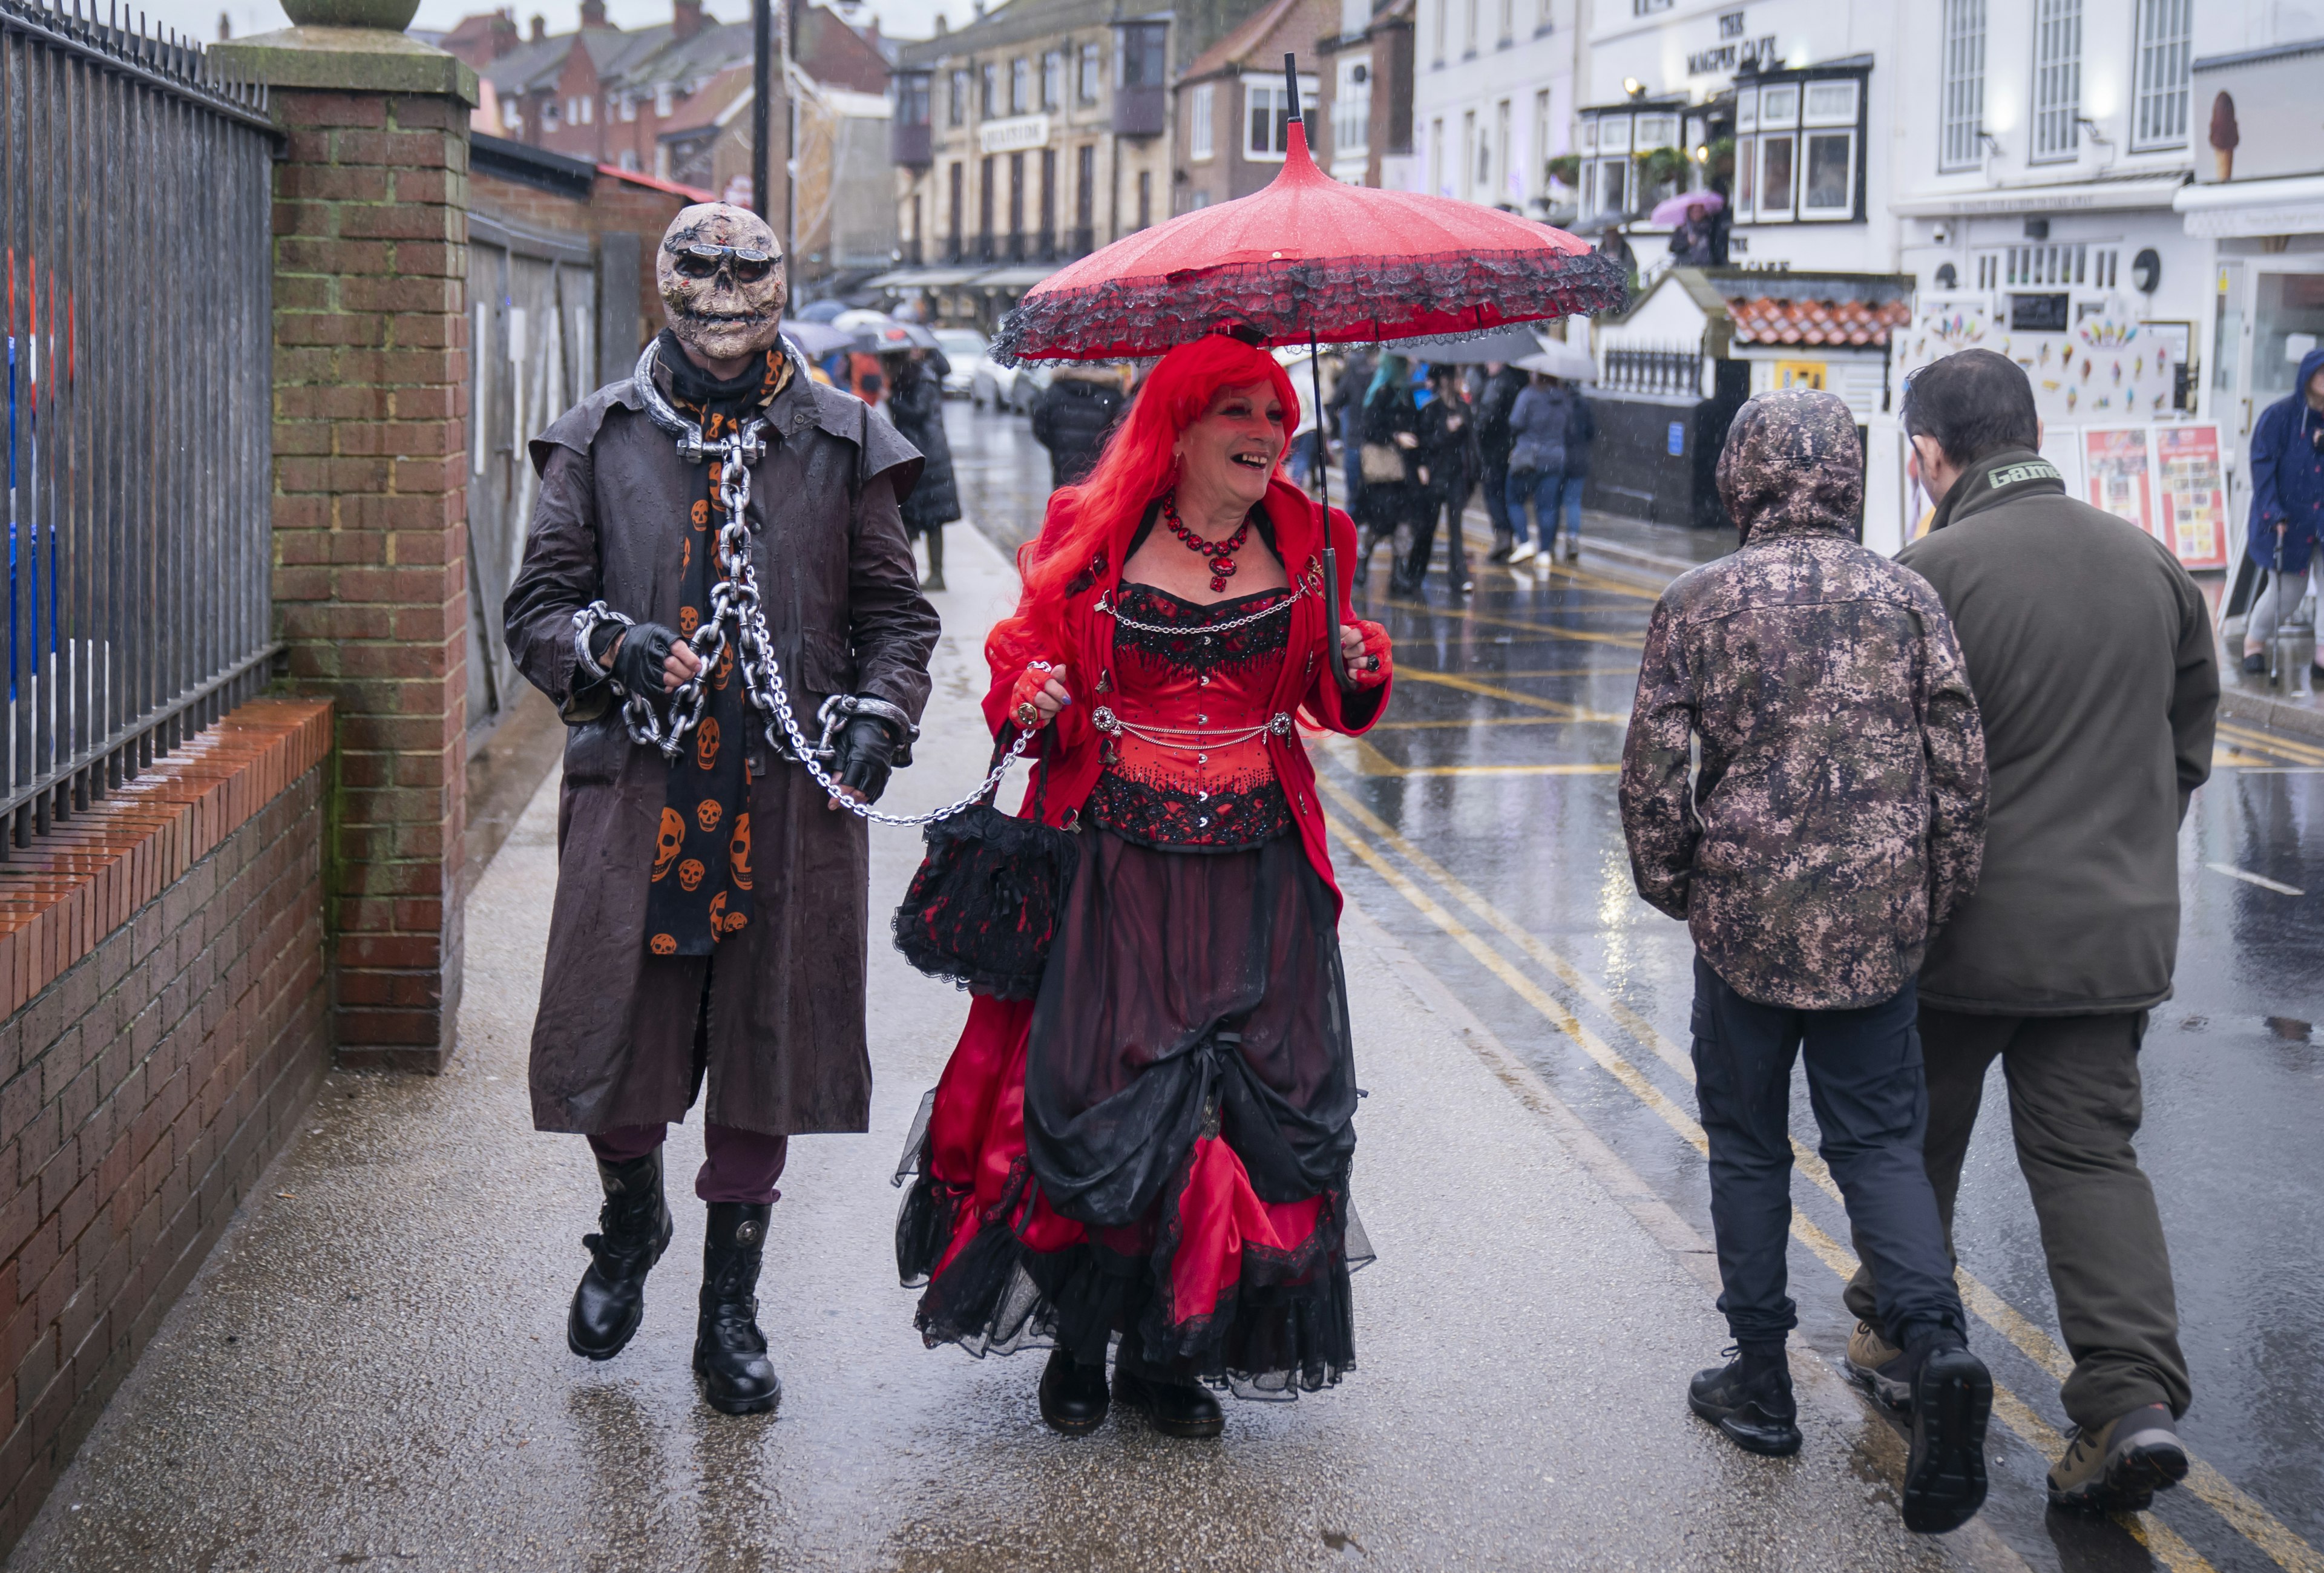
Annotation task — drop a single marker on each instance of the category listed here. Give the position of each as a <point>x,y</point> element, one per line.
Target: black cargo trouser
<point>2074,1106</point>
<point>1864,1081</point>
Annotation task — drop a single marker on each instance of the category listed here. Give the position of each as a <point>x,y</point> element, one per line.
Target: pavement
<point>370,1369</point>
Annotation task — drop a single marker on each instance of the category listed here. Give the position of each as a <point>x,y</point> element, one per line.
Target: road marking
<point>1558,708</point>
<point>1370,761</point>
<point>2275,743</point>
<point>1405,665</point>
<point>2149,1531</point>
<point>1488,620</point>
<point>1458,723</point>
<point>2232,872</point>
<point>2246,1515</point>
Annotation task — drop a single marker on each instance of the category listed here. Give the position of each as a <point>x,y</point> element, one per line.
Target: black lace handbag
<point>984,906</point>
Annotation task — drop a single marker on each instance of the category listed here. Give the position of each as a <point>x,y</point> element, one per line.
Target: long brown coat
<point>787,1052</point>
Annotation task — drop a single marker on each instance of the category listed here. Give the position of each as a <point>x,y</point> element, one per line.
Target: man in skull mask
<point>711,905</point>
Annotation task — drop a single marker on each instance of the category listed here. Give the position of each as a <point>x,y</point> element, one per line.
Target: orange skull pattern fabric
<point>705,834</point>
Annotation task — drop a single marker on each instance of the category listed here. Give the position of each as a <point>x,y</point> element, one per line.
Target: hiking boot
<point>1175,1409</point>
<point>1073,1395</point>
<point>729,1351</point>
<point>2121,1467</point>
<point>1751,1400</point>
<point>1879,1367</point>
<point>1944,1473</point>
<point>633,1231</point>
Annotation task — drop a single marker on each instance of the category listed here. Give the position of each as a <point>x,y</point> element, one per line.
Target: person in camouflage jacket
<point>1813,691</point>
<point>1840,810</point>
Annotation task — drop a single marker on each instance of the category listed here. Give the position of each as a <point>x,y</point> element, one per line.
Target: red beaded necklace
<point>1218,553</point>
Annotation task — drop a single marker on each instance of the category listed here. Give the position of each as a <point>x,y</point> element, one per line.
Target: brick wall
<point>174,1032</point>
<point>371,376</point>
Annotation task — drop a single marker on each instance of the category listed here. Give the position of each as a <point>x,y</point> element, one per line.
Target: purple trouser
<point>741,1165</point>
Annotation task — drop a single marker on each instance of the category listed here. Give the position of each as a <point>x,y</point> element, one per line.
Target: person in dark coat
<point>1537,425</point>
<point>2287,507</point>
<point>1495,401</point>
<point>1804,783</point>
<point>1388,507</point>
<point>1345,408</point>
<point>2089,650</point>
<point>1691,243</point>
<point>1580,431</point>
<point>711,911</point>
<point>1074,415</point>
<point>916,404</point>
<point>1449,464</point>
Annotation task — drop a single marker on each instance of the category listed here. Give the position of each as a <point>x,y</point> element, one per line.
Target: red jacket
<point>1306,690</point>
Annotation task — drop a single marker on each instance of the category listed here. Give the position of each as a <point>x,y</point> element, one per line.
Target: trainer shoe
<point>2121,1466</point>
<point>1523,553</point>
<point>1944,1473</point>
<point>1750,1400</point>
<point>1879,1367</point>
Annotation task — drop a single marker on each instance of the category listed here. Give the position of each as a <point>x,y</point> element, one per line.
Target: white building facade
<point>1492,102</point>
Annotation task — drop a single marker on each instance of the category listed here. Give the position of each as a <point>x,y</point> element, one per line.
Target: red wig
<point>1098,515</point>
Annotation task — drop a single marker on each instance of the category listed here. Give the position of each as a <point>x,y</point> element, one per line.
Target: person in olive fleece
<point>2089,650</point>
<point>1832,823</point>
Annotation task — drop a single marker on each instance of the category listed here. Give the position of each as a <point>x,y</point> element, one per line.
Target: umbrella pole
<point>1338,662</point>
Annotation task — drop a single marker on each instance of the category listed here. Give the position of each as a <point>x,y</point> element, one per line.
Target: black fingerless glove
<point>867,756</point>
<point>638,663</point>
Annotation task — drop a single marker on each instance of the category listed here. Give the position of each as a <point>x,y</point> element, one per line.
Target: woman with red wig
<point>1155,1149</point>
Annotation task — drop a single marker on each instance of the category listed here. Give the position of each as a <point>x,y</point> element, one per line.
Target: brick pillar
<point>371,379</point>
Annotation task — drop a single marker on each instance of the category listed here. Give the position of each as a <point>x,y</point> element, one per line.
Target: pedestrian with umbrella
<point>1151,1142</point>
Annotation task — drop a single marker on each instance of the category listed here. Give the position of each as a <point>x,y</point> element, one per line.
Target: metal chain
<point>735,596</point>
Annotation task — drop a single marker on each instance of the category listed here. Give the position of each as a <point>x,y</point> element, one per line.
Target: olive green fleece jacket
<point>2089,651</point>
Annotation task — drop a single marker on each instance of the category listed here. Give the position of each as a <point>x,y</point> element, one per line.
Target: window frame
<point>1202,123</point>
<point>956,112</point>
<point>1020,85</point>
<point>2147,46</point>
<point>1351,107</point>
<point>1809,136</point>
<point>2054,129</point>
<point>1091,87</point>
<point>1253,88</point>
<point>990,99</point>
<point>1960,85</point>
<point>1053,79</point>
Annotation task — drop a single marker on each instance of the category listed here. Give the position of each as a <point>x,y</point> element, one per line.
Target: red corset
<point>1186,757</point>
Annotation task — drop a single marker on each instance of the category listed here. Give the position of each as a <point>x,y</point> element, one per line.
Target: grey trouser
<point>2287,594</point>
<point>2074,1107</point>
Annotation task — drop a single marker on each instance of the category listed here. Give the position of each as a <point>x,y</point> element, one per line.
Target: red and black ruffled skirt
<point>1157,1147</point>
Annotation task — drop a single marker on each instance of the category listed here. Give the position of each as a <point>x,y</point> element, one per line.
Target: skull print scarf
<point>701,890</point>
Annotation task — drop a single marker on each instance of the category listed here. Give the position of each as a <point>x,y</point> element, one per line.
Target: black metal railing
<point>134,200</point>
<point>1670,371</point>
<point>1080,241</point>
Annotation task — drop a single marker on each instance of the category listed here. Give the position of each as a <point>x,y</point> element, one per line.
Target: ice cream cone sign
<point>2224,136</point>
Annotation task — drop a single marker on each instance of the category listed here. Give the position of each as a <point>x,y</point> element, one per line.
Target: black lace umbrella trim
<point>1338,300</point>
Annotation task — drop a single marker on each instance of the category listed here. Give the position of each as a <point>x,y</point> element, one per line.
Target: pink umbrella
<point>1672,209</point>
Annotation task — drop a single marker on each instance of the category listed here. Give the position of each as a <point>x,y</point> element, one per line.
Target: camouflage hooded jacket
<point>1838,812</point>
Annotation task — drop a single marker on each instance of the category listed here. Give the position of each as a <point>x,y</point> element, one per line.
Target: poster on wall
<point>2107,365</point>
<point>2194,495</point>
<point>2063,448</point>
<point>2117,474</point>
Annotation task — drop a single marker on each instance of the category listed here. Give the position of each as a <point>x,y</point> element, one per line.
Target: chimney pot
<point>686,18</point>
<point>592,13</point>
<point>539,29</point>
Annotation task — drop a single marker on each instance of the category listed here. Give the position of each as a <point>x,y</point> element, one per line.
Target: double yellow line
<point>2241,1512</point>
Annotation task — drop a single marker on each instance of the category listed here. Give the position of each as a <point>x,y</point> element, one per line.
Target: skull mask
<point>714,307</point>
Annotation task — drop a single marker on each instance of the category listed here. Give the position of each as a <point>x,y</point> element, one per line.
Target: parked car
<point>1025,389</point>
<point>963,349</point>
<point>991,383</point>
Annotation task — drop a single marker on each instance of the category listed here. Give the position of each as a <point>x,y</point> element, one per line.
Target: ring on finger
<point>1025,715</point>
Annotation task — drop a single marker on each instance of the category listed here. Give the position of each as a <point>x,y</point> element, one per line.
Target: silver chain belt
<point>1202,737</point>
<point>734,598</point>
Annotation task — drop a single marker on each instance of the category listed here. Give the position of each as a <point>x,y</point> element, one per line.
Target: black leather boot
<point>1073,1395</point>
<point>1751,1400</point>
<point>1175,1409</point>
<point>633,1231</point>
<point>730,1353</point>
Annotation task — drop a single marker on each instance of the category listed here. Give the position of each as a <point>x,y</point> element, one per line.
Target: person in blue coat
<point>2287,510</point>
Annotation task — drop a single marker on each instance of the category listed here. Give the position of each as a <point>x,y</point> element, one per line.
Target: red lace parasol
<point>1310,258</point>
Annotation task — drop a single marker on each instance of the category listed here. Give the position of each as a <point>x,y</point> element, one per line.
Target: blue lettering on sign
<point>1677,438</point>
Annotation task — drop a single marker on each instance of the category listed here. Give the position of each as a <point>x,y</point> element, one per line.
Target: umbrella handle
<point>1331,618</point>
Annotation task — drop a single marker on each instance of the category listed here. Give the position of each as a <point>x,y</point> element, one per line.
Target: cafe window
<point>1657,131</point>
<point>1799,150</point>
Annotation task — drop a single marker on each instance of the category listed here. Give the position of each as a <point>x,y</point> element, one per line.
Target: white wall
<point>1537,56</point>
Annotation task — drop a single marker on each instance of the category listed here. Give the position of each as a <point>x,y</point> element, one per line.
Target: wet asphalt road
<point>1479,824</point>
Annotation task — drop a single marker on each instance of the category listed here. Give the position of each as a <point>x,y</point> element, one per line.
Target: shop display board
<point>2166,479</point>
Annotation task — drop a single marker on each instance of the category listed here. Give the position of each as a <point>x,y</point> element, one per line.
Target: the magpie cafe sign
<point>1733,52</point>
<point>1013,135</point>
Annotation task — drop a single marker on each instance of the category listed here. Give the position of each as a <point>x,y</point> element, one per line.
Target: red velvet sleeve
<point>1335,709</point>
